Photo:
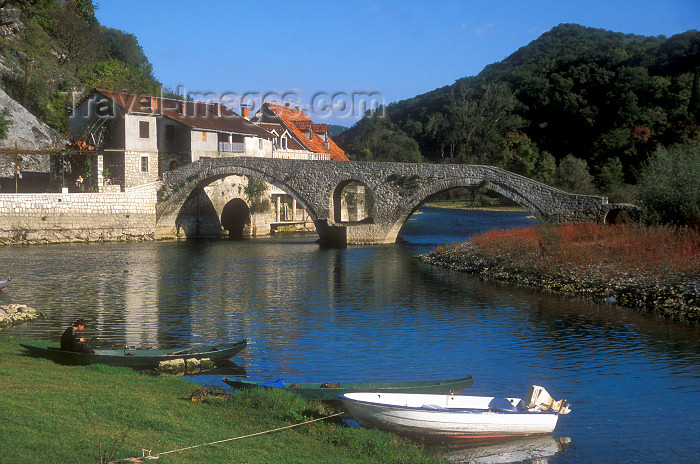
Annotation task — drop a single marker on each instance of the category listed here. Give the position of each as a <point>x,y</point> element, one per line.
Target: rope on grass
<point>158,455</point>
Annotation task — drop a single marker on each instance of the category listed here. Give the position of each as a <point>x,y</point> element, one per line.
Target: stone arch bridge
<point>398,189</point>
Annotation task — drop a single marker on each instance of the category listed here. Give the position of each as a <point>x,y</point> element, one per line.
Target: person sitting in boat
<point>70,340</point>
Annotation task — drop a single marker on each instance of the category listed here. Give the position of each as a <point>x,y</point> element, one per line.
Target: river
<point>376,313</point>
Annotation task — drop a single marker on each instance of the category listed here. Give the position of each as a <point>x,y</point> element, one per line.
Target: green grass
<point>54,413</point>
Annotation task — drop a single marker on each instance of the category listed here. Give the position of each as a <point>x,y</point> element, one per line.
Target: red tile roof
<point>212,116</point>
<point>197,115</point>
<point>306,131</point>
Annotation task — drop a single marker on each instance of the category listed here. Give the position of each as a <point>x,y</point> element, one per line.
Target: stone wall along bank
<point>70,217</point>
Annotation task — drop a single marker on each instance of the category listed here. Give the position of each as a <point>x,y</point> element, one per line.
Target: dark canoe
<point>139,359</point>
<point>330,391</point>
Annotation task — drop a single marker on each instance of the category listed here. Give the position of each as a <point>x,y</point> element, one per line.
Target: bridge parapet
<point>398,189</point>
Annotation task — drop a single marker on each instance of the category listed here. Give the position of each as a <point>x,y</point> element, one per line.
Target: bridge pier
<point>331,236</point>
<point>342,235</point>
<point>165,230</point>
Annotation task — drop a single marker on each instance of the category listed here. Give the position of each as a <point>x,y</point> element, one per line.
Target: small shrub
<point>668,187</point>
<point>255,191</point>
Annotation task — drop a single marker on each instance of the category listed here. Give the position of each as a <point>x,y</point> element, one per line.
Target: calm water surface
<point>376,313</point>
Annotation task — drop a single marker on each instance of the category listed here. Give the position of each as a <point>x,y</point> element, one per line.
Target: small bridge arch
<point>178,186</point>
<point>234,218</point>
<point>346,198</point>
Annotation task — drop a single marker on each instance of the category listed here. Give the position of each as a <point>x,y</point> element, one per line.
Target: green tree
<point>5,122</point>
<point>79,44</point>
<point>694,105</point>
<point>395,145</point>
<point>113,74</point>
<point>84,9</point>
<point>668,189</point>
<point>521,155</point>
<point>546,168</point>
<point>444,133</point>
<point>610,175</point>
<point>255,190</point>
<point>377,138</point>
<point>482,119</point>
<point>596,93</point>
<point>573,176</point>
<point>57,113</point>
<point>364,155</point>
<point>124,47</point>
<point>36,92</point>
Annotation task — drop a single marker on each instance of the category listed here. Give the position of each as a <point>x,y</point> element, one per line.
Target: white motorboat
<point>4,283</point>
<point>456,417</point>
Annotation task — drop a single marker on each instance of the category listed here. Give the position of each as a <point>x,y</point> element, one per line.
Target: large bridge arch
<point>176,190</point>
<point>502,189</point>
<point>398,189</point>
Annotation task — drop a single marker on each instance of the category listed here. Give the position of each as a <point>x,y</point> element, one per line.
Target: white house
<point>138,137</point>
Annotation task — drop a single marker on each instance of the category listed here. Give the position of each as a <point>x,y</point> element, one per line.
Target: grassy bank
<point>55,413</point>
<point>652,269</point>
<point>471,205</point>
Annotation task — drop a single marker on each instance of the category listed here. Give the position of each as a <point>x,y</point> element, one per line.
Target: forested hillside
<point>64,49</point>
<point>575,103</point>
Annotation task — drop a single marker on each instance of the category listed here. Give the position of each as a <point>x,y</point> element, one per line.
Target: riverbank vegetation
<point>55,413</point>
<point>653,269</point>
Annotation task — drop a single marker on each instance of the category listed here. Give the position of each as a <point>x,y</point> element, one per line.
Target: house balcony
<point>232,147</point>
<point>300,155</point>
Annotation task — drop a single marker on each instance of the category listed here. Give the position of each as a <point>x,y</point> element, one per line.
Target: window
<point>144,129</point>
<point>144,164</point>
<point>204,136</point>
<point>260,144</point>
<point>283,143</point>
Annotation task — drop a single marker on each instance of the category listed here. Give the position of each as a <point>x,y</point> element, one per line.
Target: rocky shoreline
<point>16,314</point>
<point>676,298</point>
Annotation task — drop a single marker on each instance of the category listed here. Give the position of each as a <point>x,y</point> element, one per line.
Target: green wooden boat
<point>138,359</point>
<point>330,391</point>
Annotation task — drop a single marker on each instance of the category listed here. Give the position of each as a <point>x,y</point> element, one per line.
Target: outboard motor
<point>537,398</point>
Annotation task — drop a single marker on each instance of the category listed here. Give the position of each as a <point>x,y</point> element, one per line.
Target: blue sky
<point>315,53</point>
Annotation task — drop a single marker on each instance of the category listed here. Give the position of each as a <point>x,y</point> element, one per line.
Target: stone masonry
<point>155,209</point>
<point>69,217</point>
<point>398,189</point>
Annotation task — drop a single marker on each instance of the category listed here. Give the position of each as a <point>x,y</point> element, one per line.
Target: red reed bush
<point>578,246</point>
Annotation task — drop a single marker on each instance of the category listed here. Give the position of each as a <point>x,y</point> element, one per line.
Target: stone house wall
<point>140,168</point>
